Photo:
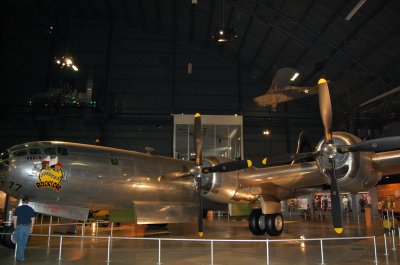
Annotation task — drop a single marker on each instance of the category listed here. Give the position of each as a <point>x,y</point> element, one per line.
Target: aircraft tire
<point>9,240</point>
<point>274,224</point>
<point>257,222</point>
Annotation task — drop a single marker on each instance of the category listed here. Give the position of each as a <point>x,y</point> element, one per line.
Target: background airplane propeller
<point>198,171</point>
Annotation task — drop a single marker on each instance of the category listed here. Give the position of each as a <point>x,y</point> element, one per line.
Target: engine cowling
<point>224,187</point>
<point>353,170</point>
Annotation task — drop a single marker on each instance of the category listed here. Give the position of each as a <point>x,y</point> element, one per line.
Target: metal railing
<point>267,243</point>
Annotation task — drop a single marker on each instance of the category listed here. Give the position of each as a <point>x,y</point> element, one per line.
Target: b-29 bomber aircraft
<point>67,179</point>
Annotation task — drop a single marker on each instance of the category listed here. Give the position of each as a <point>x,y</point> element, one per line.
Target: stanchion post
<point>398,231</point>
<point>83,228</point>
<point>59,251</point>
<point>212,252</point>
<point>112,228</point>
<point>51,222</point>
<point>159,252</point>
<point>376,255</point>
<point>108,249</point>
<point>267,251</point>
<point>393,240</point>
<point>388,219</point>
<point>322,253</point>
<point>384,238</point>
<point>393,219</point>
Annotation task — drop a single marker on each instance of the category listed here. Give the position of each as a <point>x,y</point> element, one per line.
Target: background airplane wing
<point>298,91</point>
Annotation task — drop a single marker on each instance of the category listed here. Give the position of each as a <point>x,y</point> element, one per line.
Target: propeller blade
<point>198,146</point>
<point>198,139</point>
<point>228,166</point>
<point>325,108</point>
<point>335,201</point>
<point>200,213</point>
<point>287,158</point>
<point>376,145</point>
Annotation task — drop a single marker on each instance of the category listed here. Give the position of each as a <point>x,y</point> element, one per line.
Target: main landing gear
<point>260,223</point>
<point>7,240</point>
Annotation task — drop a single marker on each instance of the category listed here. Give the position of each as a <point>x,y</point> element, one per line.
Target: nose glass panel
<point>4,162</point>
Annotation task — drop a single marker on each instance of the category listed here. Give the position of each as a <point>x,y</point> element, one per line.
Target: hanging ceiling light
<point>224,34</point>
<point>66,61</point>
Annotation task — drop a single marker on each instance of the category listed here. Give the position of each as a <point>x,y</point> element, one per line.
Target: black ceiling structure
<point>360,57</point>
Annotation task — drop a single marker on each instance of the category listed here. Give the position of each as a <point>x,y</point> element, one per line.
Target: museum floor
<point>42,250</point>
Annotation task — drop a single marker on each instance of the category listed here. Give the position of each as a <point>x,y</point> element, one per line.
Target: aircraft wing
<point>283,182</point>
<point>388,163</point>
<point>311,90</point>
<point>288,93</point>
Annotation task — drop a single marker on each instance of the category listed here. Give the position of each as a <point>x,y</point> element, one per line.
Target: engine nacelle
<point>224,187</point>
<point>353,170</point>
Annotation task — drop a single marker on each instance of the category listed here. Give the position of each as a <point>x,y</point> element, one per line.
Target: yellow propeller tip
<point>339,230</point>
<point>264,161</point>
<point>249,163</point>
<point>197,115</point>
<point>321,81</point>
<point>201,234</point>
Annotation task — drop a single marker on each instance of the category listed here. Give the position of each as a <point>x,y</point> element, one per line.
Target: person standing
<point>24,219</point>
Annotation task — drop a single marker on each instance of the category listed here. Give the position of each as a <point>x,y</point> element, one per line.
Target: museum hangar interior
<point>117,73</point>
<point>134,55</point>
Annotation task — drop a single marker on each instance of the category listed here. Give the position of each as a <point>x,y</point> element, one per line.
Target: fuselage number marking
<point>14,186</point>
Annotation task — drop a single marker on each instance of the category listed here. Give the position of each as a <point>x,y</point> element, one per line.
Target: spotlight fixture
<point>223,34</point>
<point>66,61</point>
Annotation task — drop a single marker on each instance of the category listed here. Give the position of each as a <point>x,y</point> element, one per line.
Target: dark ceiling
<point>360,57</point>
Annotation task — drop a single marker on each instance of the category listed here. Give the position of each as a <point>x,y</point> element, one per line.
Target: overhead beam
<point>243,38</point>
<point>390,92</point>
<point>191,21</point>
<point>252,64</point>
<point>272,64</point>
<point>142,16</point>
<point>285,32</point>
<point>340,48</point>
<point>210,19</point>
<point>158,15</point>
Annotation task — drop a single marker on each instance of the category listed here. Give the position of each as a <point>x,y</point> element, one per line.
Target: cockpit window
<point>20,153</point>
<point>62,150</point>
<point>34,151</point>
<point>50,151</point>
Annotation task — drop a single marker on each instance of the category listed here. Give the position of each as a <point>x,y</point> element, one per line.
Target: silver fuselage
<point>164,190</point>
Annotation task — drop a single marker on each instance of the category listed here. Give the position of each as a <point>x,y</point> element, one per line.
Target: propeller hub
<point>196,171</point>
<point>329,150</point>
